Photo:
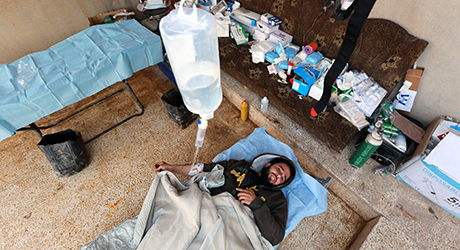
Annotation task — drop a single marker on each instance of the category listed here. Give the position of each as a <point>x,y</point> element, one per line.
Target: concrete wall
<point>437,22</point>
<point>31,26</point>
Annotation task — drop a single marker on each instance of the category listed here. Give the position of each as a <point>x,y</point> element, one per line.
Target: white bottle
<point>264,104</point>
<point>401,143</point>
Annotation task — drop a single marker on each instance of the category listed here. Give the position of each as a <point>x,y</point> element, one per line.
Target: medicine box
<point>414,76</point>
<point>265,27</point>
<point>205,5</point>
<point>300,87</point>
<point>260,35</point>
<point>316,90</point>
<point>238,34</point>
<point>281,37</point>
<point>270,19</point>
<point>436,175</point>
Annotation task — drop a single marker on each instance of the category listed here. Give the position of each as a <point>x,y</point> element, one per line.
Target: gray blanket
<point>186,216</point>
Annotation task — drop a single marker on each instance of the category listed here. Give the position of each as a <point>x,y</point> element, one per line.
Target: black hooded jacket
<point>270,207</point>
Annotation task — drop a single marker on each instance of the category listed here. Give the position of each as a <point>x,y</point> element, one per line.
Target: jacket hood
<point>261,160</point>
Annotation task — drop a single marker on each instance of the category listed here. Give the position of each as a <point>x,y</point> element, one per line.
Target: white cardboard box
<point>436,176</point>
<point>279,36</point>
<point>260,35</point>
<point>238,33</point>
<point>266,28</point>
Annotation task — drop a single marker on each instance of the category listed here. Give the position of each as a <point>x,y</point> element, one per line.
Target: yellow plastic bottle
<point>244,110</point>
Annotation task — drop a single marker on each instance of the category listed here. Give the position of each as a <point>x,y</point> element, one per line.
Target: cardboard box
<point>281,37</point>
<point>301,87</point>
<point>238,33</point>
<point>266,28</point>
<point>260,35</point>
<point>414,76</point>
<point>436,175</point>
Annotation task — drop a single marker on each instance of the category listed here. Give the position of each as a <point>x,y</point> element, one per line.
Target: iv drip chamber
<point>202,125</point>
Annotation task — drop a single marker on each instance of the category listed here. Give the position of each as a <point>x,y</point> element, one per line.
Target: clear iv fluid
<point>190,39</point>
<point>200,88</point>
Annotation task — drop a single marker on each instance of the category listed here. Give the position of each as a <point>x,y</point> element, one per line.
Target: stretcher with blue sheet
<point>44,82</point>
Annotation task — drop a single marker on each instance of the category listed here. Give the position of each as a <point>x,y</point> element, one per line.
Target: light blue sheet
<point>41,83</point>
<point>305,195</point>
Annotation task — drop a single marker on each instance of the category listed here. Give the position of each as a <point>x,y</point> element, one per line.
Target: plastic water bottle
<point>401,143</point>
<point>264,104</point>
<point>190,39</point>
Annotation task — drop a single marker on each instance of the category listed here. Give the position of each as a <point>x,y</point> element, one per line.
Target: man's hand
<point>160,166</point>
<point>245,196</point>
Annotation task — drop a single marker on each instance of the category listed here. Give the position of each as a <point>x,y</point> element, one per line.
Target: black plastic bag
<point>65,151</point>
<point>175,107</point>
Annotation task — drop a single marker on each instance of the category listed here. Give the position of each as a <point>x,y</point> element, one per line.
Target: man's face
<point>276,174</point>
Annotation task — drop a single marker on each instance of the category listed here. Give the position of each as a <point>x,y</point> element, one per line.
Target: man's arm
<point>271,217</point>
<point>177,169</point>
<point>185,169</point>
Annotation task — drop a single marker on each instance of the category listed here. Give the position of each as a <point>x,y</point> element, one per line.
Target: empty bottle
<point>264,104</point>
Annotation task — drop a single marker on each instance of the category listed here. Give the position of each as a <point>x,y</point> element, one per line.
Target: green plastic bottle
<point>108,19</point>
<point>370,144</point>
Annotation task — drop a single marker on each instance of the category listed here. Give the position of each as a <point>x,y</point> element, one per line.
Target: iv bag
<point>190,39</point>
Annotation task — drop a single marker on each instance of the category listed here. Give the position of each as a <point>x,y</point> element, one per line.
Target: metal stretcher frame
<point>37,129</point>
<point>80,66</point>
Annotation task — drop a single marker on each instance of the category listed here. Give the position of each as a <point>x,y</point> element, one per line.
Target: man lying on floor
<point>230,204</point>
<point>260,191</point>
<point>206,211</point>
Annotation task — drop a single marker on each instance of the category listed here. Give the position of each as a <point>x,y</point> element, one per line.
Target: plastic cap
<point>202,123</point>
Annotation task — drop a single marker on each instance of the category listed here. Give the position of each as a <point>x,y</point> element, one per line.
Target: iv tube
<point>202,125</point>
